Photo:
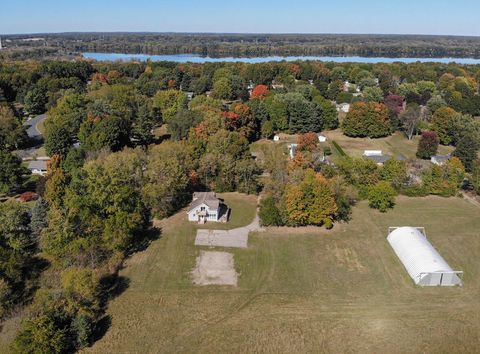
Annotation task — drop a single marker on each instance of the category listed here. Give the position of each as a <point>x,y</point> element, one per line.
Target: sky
<point>445,17</point>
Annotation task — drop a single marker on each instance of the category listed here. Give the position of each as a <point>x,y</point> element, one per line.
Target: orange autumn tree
<point>307,141</point>
<point>260,92</point>
<point>310,202</point>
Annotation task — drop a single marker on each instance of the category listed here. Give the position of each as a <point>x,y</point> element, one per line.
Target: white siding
<point>212,215</point>
<point>421,260</point>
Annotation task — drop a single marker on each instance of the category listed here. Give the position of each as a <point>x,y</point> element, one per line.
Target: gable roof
<point>208,198</point>
<point>37,165</point>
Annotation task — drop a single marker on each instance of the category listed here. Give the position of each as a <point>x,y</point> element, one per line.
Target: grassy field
<point>312,290</point>
<point>394,145</point>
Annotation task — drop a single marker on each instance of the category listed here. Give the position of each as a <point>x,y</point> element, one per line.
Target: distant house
<point>205,206</point>
<point>250,88</point>
<point>277,85</point>
<point>190,95</point>
<point>343,107</point>
<point>276,138</point>
<point>292,150</point>
<point>376,156</point>
<point>349,87</point>
<point>440,159</point>
<point>322,138</point>
<point>38,167</point>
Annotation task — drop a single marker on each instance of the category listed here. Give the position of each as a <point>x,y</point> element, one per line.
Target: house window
<point>202,208</point>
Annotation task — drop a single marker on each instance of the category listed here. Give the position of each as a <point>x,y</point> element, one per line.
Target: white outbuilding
<point>322,138</point>
<point>421,260</point>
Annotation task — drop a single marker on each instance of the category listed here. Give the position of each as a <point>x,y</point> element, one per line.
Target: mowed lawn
<point>339,291</point>
<point>395,145</point>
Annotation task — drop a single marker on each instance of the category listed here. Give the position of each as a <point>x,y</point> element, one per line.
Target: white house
<point>204,207</point>
<point>322,138</point>
<point>343,107</point>
<point>38,167</point>
<point>440,159</point>
<point>276,138</point>
<point>277,85</point>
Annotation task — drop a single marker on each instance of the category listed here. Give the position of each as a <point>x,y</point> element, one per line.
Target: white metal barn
<point>421,260</point>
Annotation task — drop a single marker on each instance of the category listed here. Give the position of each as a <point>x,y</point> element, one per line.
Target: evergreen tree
<point>39,216</point>
<point>466,150</point>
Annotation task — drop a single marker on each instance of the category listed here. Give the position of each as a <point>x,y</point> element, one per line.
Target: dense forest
<point>130,142</point>
<point>245,45</point>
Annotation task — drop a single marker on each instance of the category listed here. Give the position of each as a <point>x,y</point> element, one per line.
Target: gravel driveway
<point>236,238</point>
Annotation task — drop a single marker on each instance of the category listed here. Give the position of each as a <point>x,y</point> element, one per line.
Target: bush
<point>269,213</point>
<point>382,196</point>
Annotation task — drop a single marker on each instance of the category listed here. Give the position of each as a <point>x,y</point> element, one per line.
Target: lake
<point>194,58</point>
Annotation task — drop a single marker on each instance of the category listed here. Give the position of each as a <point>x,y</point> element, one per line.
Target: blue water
<point>194,58</point>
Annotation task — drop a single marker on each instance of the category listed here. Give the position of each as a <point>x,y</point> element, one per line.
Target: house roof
<point>208,198</point>
<point>441,158</point>
<point>37,165</point>
<point>378,158</point>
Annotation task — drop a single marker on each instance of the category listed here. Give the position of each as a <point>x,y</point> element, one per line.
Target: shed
<point>421,260</point>
<point>322,138</point>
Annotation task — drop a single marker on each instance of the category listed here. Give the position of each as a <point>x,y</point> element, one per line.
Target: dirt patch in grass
<point>215,268</point>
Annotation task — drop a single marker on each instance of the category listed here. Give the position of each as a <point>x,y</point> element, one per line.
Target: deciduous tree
<point>428,145</point>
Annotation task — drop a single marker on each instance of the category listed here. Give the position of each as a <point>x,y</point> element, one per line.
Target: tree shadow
<point>36,266</point>
<point>112,286</point>
<point>101,328</point>
<point>144,240</point>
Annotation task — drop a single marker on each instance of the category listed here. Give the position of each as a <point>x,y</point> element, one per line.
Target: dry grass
<point>342,291</point>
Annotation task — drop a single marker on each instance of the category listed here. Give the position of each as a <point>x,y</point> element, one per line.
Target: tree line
<point>251,45</point>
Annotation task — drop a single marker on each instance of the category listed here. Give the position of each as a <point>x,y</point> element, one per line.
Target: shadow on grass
<point>113,285</point>
<point>144,240</point>
<point>101,328</point>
